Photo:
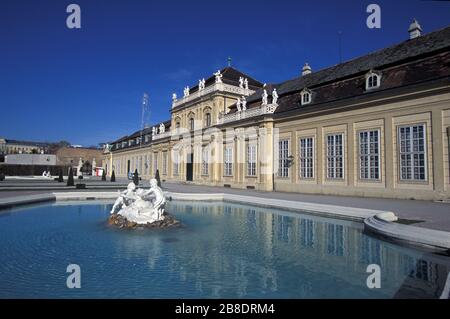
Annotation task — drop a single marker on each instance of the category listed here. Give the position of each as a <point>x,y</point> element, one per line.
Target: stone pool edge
<point>373,220</point>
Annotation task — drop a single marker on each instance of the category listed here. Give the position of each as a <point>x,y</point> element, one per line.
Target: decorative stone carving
<point>201,84</point>
<point>218,76</point>
<point>274,96</point>
<point>246,83</point>
<point>162,128</point>
<point>244,103</point>
<point>186,91</point>
<point>154,131</point>
<point>238,104</point>
<point>139,207</point>
<point>241,82</point>
<point>264,97</point>
<point>174,97</point>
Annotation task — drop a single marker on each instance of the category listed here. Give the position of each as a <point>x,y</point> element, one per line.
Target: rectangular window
<point>335,156</point>
<point>155,162</point>
<point>176,158</point>
<point>251,160</point>
<point>228,161</point>
<point>283,158</point>
<point>306,160</point>
<point>205,161</point>
<point>369,155</point>
<point>412,146</point>
<point>164,163</point>
<point>145,165</point>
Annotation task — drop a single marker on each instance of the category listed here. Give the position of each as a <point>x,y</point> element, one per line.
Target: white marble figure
<point>186,91</point>
<point>201,84</point>
<point>49,175</point>
<point>218,76</point>
<point>274,96</point>
<point>162,128</point>
<point>241,82</point>
<point>141,206</point>
<point>238,104</point>
<point>246,83</point>
<point>174,97</point>
<point>244,103</point>
<point>154,131</point>
<point>264,97</point>
<point>44,174</point>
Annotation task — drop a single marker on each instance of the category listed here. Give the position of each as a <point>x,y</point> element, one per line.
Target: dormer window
<point>373,80</point>
<point>306,96</point>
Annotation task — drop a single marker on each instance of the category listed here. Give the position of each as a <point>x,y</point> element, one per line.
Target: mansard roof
<point>230,76</point>
<point>400,65</point>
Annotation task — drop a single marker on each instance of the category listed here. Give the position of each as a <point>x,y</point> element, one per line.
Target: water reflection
<point>228,250</point>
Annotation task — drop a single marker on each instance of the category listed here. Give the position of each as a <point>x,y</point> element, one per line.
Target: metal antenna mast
<point>144,116</point>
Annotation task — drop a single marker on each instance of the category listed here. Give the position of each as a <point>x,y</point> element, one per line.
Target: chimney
<point>415,30</point>
<point>306,69</point>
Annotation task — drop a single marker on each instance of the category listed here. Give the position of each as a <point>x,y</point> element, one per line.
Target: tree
<point>70,181</point>
<point>61,177</point>
<point>158,179</point>
<point>113,176</point>
<point>104,175</point>
<point>136,177</point>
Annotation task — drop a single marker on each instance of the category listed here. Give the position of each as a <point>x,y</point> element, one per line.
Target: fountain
<point>140,208</point>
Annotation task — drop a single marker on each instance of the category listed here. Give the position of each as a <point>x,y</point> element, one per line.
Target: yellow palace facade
<point>375,126</point>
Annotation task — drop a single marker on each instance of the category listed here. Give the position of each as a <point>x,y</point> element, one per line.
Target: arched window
<point>208,119</point>
<point>306,96</point>
<point>191,124</point>
<point>373,80</point>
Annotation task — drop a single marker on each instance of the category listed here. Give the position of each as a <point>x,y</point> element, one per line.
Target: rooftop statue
<point>264,97</point>
<point>218,76</point>
<point>238,104</point>
<point>246,83</point>
<point>244,103</point>
<point>174,97</point>
<point>154,131</point>
<point>241,82</point>
<point>186,91</point>
<point>162,128</point>
<point>274,96</point>
<point>201,84</point>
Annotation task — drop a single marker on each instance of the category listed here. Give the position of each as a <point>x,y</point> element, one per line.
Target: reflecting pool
<point>223,250</point>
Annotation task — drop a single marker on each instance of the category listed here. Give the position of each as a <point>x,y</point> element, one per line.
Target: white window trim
<point>279,159</point>
<point>225,161</point>
<point>205,161</point>
<point>425,147</point>
<point>248,167</point>
<point>379,155</point>
<point>302,94</point>
<point>343,158</point>
<point>370,74</point>
<point>313,158</point>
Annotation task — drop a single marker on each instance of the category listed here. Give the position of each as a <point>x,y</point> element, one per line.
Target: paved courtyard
<point>428,214</point>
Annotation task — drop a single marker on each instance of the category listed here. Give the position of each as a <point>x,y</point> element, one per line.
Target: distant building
<point>70,156</point>
<point>8,146</point>
<point>31,159</point>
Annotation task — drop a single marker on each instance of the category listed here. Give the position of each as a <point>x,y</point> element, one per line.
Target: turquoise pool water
<point>223,251</point>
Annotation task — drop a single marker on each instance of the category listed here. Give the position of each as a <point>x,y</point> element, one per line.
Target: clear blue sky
<point>86,85</point>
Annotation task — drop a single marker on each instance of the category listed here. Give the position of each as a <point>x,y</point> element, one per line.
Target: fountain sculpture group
<point>137,208</point>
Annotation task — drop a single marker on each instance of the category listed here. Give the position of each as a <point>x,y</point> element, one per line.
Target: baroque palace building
<point>377,126</point>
